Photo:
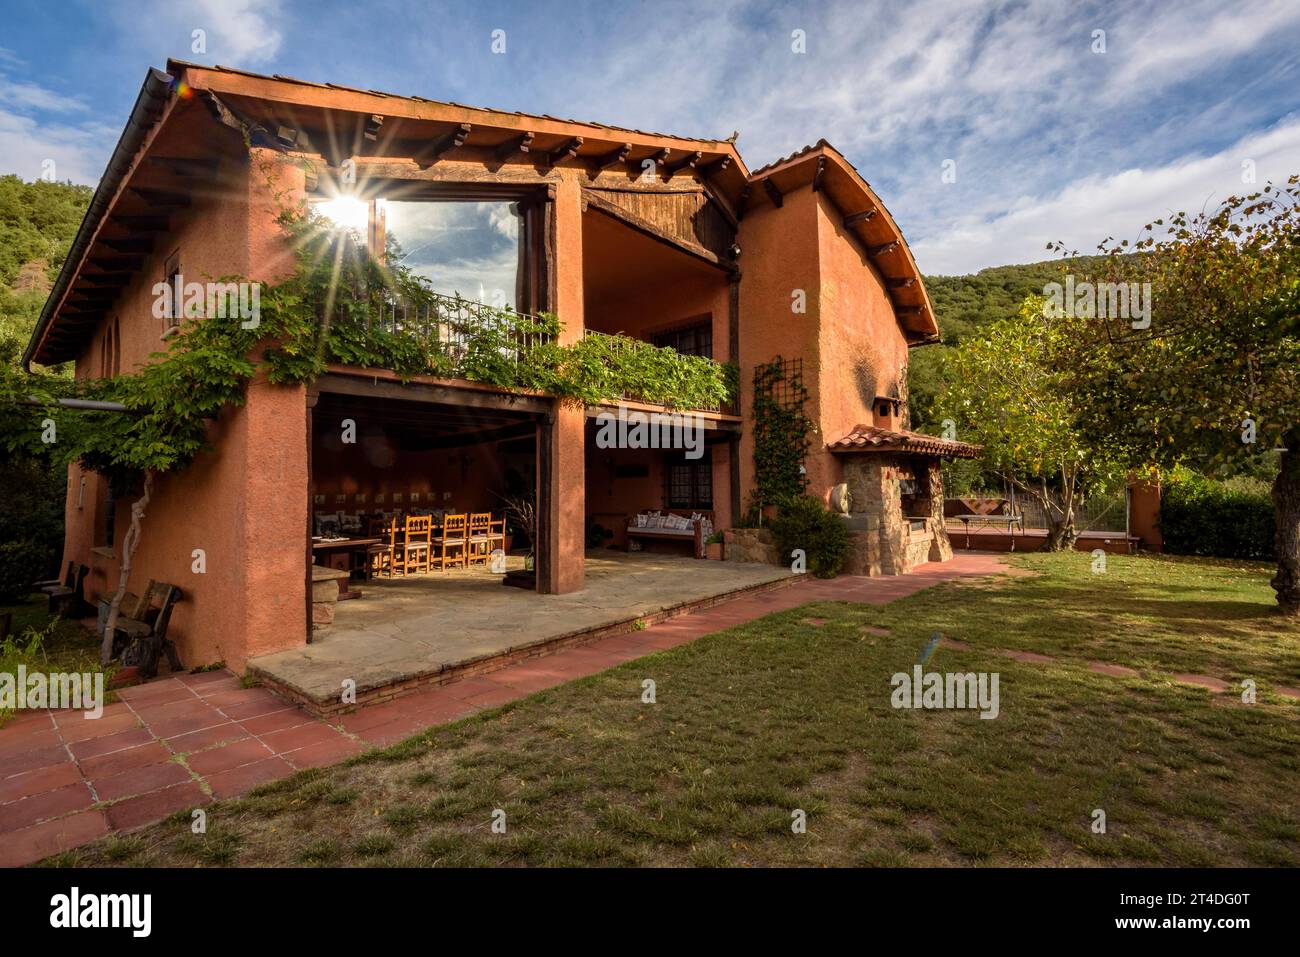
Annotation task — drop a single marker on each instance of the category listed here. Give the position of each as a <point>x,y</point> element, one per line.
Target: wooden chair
<point>144,634</point>
<point>497,534</point>
<point>65,595</point>
<point>418,544</point>
<point>453,539</point>
<point>378,557</point>
<point>479,546</point>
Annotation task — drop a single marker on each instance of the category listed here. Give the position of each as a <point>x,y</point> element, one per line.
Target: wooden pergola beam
<point>443,145</point>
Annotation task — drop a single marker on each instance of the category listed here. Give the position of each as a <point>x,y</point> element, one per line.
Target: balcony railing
<point>459,332</point>
<point>430,333</point>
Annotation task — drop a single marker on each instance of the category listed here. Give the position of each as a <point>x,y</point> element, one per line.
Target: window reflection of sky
<point>465,249</point>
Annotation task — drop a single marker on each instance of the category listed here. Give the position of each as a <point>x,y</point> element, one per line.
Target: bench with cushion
<point>671,527</point>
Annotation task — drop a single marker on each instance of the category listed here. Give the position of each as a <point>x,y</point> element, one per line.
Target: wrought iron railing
<point>456,329</point>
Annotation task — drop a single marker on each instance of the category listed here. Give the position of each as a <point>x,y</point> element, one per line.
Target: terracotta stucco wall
<point>779,254</point>
<point>243,503</point>
<point>862,349</point>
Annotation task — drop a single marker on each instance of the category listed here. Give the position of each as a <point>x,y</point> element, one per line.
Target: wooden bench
<point>694,535</point>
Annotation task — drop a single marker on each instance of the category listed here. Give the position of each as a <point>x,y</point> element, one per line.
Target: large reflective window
<point>464,249</point>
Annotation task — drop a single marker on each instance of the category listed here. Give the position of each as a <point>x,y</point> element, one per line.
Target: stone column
<point>876,516</point>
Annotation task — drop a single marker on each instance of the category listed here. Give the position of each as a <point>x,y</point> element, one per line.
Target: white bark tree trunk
<point>130,542</point>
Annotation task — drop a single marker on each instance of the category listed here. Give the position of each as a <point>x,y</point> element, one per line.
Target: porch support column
<point>562,460</point>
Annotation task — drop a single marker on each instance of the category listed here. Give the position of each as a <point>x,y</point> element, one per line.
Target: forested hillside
<point>963,306</point>
<point>37,224</point>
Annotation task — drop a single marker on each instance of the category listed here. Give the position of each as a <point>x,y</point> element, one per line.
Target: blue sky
<point>1049,137</point>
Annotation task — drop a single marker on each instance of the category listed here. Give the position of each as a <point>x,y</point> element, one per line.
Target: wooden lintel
<point>883,248</point>
<point>773,193</point>
<point>443,145</point>
<point>817,176</point>
<point>612,158</point>
<point>853,219</point>
<point>514,146</point>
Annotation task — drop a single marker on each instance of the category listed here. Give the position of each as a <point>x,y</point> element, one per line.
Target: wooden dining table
<point>332,545</point>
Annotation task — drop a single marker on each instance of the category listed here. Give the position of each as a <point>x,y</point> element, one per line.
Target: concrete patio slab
<point>413,628</point>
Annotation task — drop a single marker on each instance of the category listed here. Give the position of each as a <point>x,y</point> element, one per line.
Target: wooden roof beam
<point>817,176</point>
<point>514,146</point>
<point>907,283</point>
<point>566,150</point>
<point>162,198</point>
<point>716,167</point>
<point>151,224</point>
<point>690,160</point>
<point>128,245</point>
<point>773,193</point>
<point>612,158</point>
<point>853,219</point>
<point>889,247</point>
<point>442,146</point>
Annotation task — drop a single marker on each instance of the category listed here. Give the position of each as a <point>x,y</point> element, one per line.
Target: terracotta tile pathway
<point>179,743</point>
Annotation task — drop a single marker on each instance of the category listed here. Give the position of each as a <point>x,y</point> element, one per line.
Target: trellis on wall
<point>780,431</point>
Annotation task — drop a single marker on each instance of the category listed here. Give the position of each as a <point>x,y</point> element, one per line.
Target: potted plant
<point>521,513</point>
<point>713,546</point>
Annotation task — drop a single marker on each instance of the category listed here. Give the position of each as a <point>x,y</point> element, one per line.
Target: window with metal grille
<point>693,340</point>
<point>689,483</point>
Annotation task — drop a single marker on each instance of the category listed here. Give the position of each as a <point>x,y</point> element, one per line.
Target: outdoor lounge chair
<point>144,637</point>
<point>65,596</point>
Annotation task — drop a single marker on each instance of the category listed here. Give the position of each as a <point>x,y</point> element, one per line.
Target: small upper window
<point>172,276</point>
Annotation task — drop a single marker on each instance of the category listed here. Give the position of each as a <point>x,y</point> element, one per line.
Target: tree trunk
<point>1061,533</point>
<point>1286,513</point>
<point>130,541</point>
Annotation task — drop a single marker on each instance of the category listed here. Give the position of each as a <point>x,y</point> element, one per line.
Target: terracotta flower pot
<point>714,550</point>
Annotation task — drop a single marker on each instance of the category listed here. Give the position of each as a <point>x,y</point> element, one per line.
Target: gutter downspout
<point>149,105</point>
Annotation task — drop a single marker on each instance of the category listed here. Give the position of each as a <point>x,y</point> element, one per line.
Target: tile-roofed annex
<point>870,438</point>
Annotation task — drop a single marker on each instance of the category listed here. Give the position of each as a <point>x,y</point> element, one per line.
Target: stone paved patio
<point>426,624</point>
<point>182,742</point>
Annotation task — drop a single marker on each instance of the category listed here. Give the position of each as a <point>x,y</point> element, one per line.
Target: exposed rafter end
<point>853,219</point>
<point>773,193</point>
<point>883,248</point>
<point>453,140</point>
<point>514,146</point>
<point>612,158</point>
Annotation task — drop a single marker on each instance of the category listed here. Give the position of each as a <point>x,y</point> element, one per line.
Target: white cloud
<point>246,33</point>
<point>78,151</point>
<point>1096,207</point>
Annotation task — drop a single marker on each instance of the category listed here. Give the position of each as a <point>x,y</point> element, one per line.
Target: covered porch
<point>402,635</point>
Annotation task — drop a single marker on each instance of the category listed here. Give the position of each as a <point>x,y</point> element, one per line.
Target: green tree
<point>1214,382</point>
<point>1022,391</point>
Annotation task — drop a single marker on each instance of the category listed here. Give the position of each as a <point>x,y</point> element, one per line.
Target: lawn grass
<point>779,715</point>
<point>64,645</point>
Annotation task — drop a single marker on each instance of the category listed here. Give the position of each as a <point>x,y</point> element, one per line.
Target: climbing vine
<point>780,432</point>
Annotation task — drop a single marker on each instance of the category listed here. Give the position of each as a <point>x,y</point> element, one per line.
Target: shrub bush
<point>1200,516</point>
<point>21,564</point>
<point>806,523</point>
